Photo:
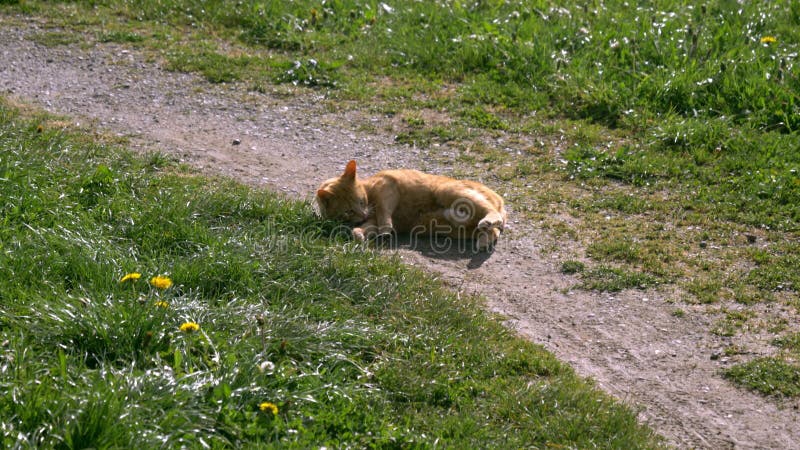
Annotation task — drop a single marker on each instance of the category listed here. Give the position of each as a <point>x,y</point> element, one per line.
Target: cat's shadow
<point>437,248</point>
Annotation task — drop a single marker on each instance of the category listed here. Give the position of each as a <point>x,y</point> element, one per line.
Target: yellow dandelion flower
<point>161,282</point>
<point>768,40</point>
<point>161,304</point>
<point>130,277</point>
<point>189,327</point>
<point>269,407</point>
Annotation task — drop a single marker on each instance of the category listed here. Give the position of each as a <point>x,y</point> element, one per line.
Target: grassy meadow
<point>668,132</point>
<point>142,306</point>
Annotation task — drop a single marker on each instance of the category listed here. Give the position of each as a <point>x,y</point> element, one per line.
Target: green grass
<point>572,267</point>
<point>613,279</point>
<point>776,376</point>
<point>609,64</point>
<point>733,321</point>
<point>121,37</point>
<point>354,348</point>
<point>769,376</point>
<point>790,342</point>
<point>671,113</point>
<point>56,38</point>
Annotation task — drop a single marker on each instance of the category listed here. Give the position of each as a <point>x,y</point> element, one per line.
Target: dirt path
<point>629,342</point>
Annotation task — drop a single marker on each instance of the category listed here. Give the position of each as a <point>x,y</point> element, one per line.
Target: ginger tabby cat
<point>409,201</point>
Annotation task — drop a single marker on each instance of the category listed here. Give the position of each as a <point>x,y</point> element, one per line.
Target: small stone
<point>236,142</point>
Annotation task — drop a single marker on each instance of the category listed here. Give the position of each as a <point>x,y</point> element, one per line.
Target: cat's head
<point>343,198</point>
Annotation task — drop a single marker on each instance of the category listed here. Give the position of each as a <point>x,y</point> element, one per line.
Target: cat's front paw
<point>486,240</point>
<point>358,234</point>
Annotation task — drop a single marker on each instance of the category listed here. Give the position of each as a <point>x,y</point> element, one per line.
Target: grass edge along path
<point>143,306</point>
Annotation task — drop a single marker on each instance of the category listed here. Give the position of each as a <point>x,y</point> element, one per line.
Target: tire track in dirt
<point>630,343</point>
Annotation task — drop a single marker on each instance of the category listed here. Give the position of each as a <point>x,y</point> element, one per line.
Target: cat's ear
<point>350,170</point>
<point>323,194</point>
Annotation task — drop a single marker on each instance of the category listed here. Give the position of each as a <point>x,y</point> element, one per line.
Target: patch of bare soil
<point>629,342</point>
